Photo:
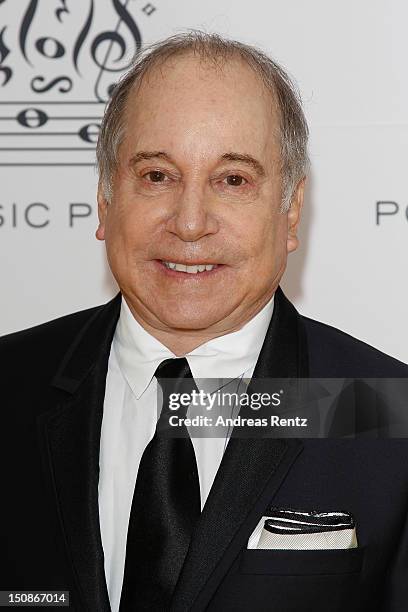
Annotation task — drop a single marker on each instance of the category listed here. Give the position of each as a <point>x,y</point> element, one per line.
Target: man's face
<point>198,184</point>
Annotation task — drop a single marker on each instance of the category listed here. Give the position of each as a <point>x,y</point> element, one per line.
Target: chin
<point>189,319</point>
<point>188,323</point>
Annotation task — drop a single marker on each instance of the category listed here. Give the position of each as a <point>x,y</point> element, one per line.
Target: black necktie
<point>166,504</point>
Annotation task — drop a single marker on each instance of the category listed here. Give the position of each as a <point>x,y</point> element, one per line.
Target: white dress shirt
<point>130,415</point>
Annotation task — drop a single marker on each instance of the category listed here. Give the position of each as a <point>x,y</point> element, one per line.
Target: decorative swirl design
<point>60,11</point>
<point>25,26</point>
<point>51,84</point>
<point>82,36</point>
<point>110,50</point>
<point>4,51</point>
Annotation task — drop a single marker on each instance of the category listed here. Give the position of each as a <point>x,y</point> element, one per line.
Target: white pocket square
<point>283,529</point>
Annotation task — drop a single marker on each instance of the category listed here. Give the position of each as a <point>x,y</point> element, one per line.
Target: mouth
<point>182,269</point>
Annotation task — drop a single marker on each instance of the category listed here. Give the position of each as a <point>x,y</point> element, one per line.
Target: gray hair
<point>210,47</point>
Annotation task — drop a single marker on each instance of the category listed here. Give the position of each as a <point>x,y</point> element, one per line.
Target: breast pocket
<point>302,562</point>
<point>295,581</point>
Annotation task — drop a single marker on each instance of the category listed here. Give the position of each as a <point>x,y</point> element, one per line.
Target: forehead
<point>192,102</point>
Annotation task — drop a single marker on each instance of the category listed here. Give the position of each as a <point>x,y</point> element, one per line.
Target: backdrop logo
<point>385,210</point>
<point>59,60</point>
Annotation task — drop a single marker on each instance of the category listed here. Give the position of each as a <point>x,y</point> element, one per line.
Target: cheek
<point>264,237</point>
<point>125,241</point>
<point>266,252</point>
<point>116,234</point>
<point>123,221</point>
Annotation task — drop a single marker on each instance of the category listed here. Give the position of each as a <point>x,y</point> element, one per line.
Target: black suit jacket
<point>52,392</point>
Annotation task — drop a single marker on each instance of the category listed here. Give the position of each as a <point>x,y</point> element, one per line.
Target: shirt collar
<point>229,356</point>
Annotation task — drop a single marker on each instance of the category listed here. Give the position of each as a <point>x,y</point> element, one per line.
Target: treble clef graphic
<point>114,37</point>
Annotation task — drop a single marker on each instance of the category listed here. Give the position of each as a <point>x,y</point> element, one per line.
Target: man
<point>202,158</point>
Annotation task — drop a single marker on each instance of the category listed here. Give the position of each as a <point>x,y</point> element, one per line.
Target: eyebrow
<point>243,158</point>
<point>141,155</point>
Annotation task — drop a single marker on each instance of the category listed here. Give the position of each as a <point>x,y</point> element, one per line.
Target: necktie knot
<point>174,376</point>
<point>173,368</point>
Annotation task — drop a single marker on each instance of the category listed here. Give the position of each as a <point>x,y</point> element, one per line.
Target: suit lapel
<point>70,436</point>
<point>250,473</point>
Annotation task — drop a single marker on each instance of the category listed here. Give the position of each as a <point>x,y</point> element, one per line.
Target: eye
<point>235,180</point>
<point>155,176</point>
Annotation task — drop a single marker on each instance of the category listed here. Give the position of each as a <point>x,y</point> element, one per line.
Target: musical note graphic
<point>58,123</point>
<point>114,37</point>
<point>51,132</point>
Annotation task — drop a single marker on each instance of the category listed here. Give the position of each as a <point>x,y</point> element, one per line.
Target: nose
<point>193,218</point>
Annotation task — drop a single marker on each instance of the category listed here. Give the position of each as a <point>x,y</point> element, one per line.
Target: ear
<point>294,215</point>
<point>102,211</point>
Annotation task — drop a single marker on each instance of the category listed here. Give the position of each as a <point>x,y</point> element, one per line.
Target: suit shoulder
<point>336,353</point>
<point>45,338</point>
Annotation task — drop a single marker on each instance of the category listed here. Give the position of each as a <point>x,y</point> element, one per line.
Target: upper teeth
<point>190,269</point>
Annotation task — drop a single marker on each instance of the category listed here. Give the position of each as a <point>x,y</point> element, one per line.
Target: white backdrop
<point>349,59</point>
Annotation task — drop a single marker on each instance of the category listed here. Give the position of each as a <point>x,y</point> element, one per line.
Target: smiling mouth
<point>188,268</point>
